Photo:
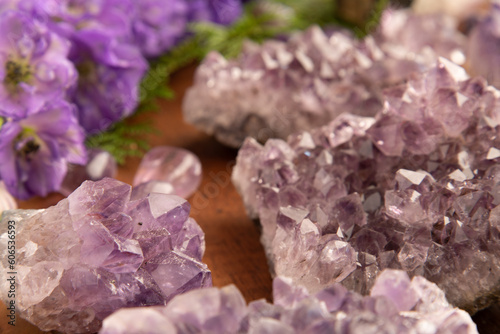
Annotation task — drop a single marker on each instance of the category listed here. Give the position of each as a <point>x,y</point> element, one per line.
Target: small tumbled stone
<point>169,170</point>
<point>417,187</point>
<point>97,251</point>
<point>396,305</point>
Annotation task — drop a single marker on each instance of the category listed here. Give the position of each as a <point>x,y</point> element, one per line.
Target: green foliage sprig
<point>122,140</point>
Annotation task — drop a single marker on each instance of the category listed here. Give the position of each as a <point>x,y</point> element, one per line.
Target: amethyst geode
<point>279,88</point>
<point>417,187</point>
<point>396,305</point>
<point>97,251</point>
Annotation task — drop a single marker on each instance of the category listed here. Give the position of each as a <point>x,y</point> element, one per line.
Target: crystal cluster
<point>281,87</point>
<point>97,251</point>
<point>168,170</point>
<point>416,188</point>
<point>396,305</point>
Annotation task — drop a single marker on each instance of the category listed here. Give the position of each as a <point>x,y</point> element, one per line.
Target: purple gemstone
<point>396,305</point>
<point>283,87</point>
<point>415,188</point>
<point>96,251</point>
<point>168,170</point>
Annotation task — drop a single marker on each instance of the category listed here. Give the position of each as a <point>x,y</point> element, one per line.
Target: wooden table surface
<point>233,250</point>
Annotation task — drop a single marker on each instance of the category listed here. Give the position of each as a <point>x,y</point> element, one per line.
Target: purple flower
<point>217,11</point>
<point>199,10</point>
<point>161,24</point>
<point>69,16</point>
<point>34,152</point>
<point>225,11</point>
<point>110,72</point>
<point>34,67</point>
<point>8,4</point>
<point>110,68</point>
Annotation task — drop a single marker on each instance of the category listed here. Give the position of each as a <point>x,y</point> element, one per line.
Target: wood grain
<point>233,252</point>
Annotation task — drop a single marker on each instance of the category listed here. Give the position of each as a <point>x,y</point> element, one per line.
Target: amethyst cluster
<point>396,305</point>
<point>98,251</point>
<point>416,187</point>
<point>72,68</point>
<point>282,87</point>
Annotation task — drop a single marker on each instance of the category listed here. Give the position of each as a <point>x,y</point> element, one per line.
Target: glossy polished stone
<point>178,170</point>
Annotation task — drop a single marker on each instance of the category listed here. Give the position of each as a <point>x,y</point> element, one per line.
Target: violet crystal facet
<point>169,170</point>
<point>417,187</point>
<point>396,305</point>
<point>279,88</point>
<point>97,251</point>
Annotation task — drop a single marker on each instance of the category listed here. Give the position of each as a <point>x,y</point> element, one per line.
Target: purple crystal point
<point>168,170</point>
<point>415,188</point>
<point>396,305</point>
<point>326,73</point>
<point>100,164</point>
<point>97,251</point>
